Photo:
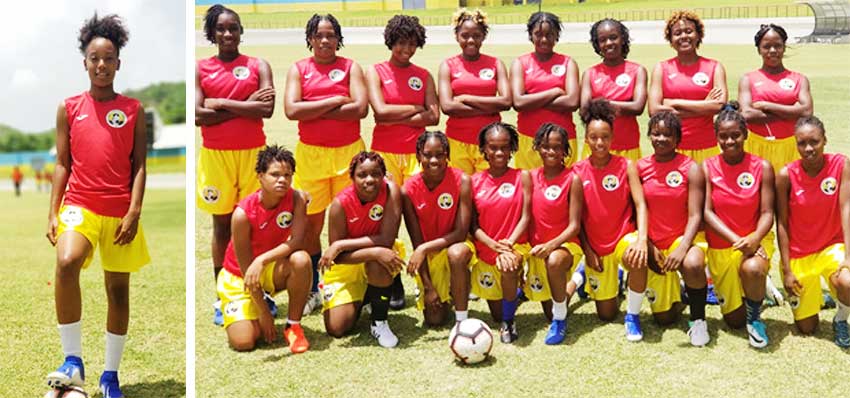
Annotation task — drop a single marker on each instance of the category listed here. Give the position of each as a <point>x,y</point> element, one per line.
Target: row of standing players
<point>328,95</point>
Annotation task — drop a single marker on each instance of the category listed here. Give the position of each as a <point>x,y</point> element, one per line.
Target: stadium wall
<point>262,6</point>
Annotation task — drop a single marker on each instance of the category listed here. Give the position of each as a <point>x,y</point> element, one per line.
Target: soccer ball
<point>70,392</point>
<point>471,341</point>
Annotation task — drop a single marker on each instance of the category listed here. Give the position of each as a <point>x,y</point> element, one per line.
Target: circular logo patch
<point>746,180</point>
<point>487,74</point>
<point>623,80</point>
<point>829,186</point>
<point>506,190</point>
<point>328,292</point>
<point>72,216</point>
<point>231,308</point>
<point>486,280</point>
<point>536,284</point>
<point>593,282</point>
<point>445,201</point>
<point>674,179</point>
<point>559,70</point>
<point>610,182</point>
<point>116,118</point>
<point>210,194</point>
<point>720,299</point>
<point>794,302</point>
<point>700,79</point>
<point>241,72</point>
<point>787,84</point>
<point>284,219</point>
<point>336,75</point>
<point>650,295</point>
<point>414,83</point>
<point>552,192</point>
<point>376,213</point>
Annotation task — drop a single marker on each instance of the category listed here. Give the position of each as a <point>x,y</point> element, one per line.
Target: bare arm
<point>711,218</point>
<point>448,104</point>
<point>765,221</point>
<point>656,93</point>
<point>696,203</point>
<point>296,234</point>
<point>708,106</point>
<point>61,171</point>
<point>491,104</point>
<point>296,108</point>
<point>358,108</point>
<point>803,106</point>
<point>525,217</point>
<point>259,105</point>
<point>638,101</point>
<point>745,98</point>
<point>382,111</point>
<point>205,116</point>
<point>346,247</point>
<point>429,114</point>
<point>574,226</point>
<point>126,231</point>
<point>844,199</point>
<point>526,102</point>
<point>783,189</point>
<point>569,101</point>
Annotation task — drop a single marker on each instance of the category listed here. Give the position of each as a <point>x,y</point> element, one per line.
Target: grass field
<point>154,362</point>
<point>595,359</point>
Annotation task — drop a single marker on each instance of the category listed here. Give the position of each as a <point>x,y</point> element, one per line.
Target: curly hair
<point>671,121</point>
<point>764,28</point>
<point>404,27</point>
<point>539,18</point>
<point>686,15</point>
<point>429,134</point>
<point>598,109</point>
<point>811,121</point>
<point>110,27</point>
<point>479,17</point>
<point>313,27</point>
<point>548,129</point>
<point>363,156</point>
<point>624,35</point>
<point>211,19</point>
<point>274,153</point>
<point>495,126</point>
<point>731,112</point>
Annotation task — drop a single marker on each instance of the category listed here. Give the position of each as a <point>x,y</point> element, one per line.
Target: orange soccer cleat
<point>294,336</point>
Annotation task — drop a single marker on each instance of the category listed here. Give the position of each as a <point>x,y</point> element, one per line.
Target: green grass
<point>596,359</point>
<point>154,363</point>
<point>154,166</point>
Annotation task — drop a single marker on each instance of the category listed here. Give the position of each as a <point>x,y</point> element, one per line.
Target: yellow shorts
<point>700,155</point>
<point>631,154</point>
<point>322,172</point>
<point>778,152</point>
<point>100,232</point>
<point>536,286</point>
<point>400,166</point>
<point>486,279</point>
<point>346,283</point>
<point>236,303</point>
<point>808,271</point>
<point>603,285</point>
<point>224,177</point>
<point>441,275</point>
<point>664,290</point>
<point>527,158</point>
<point>723,265</point>
<point>466,157</point>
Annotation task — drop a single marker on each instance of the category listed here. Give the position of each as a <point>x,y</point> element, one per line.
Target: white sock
<point>559,310</point>
<point>71,335</point>
<point>114,349</point>
<point>461,315</point>
<point>577,279</point>
<point>635,300</point>
<point>843,311</point>
<point>291,322</point>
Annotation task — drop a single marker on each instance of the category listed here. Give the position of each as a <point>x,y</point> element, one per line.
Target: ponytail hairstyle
<point>598,109</point>
<point>731,112</point>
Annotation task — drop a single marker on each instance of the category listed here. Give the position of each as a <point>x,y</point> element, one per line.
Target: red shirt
<point>399,86</point>
<point>814,214</point>
<point>435,209</point>
<point>269,227</point>
<point>362,219</point>
<point>665,189</point>
<point>499,205</point>
<point>318,82</point>
<point>235,80</point>
<point>782,88</point>
<point>735,196</point>
<point>691,82</point>
<point>474,78</point>
<point>617,84</point>
<point>102,139</point>
<point>550,205</point>
<point>608,214</point>
<point>541,76</point>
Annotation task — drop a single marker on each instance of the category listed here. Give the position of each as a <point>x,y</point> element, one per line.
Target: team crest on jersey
<point>506,190</point>
<point>116,118</point>
<point>445,201</point>
<point>414,83</point>
<point>651,296</point>
<point>674,179</point>
<point>241,72</point>
<point>328,292</point>
<point>376,213</point>
<point>700,79</point>
<point>829,186</point>
<point>231,308</point>
<point>486,280</point>
<point>794,302</point>
<point>336,75</point>
<point>72,216</point>
<point>746,180</point>
<point>787,84</point>
<point>720,299</point>
<point>623,80</point>
<point>610,182</point>
<point>552,192</point>
<point>284,219</point>
<point>593,281</point>
<point>536,284</point>
<point>210,194</point>
<point>559,69</point>
<point>487,74</point>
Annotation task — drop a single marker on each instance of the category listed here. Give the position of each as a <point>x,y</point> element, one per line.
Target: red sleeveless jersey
<point>435,209</point>
<point>235,80</point>
<point>318,82</point>
<point>617,84</point>
<point>782,88</point>
<point>550,205</point>
<point>474,78</point>
<point>399,86</point>
<point>608,213</point>
<point>499,205</point>
<point>814,214</point>
<point>269,227</point>
<point>362,219</point>
<point>541,76</point>
<point>101,144</point>
<point>691,82</point>
<point>735,196</point>
<point>665,189</point>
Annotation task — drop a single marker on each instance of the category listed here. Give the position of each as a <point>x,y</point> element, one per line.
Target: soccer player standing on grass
<point>327,95</point>
<point>100,158</point>
<point>813,206</point>
<point>233,93</point>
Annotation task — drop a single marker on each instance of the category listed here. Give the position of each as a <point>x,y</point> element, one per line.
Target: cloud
<point>24,79</point>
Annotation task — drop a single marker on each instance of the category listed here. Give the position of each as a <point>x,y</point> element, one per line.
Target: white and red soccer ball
<point>471,340</point>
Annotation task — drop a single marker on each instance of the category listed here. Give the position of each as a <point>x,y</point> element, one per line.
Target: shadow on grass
<point>406,327</point>
<point>160,389</point>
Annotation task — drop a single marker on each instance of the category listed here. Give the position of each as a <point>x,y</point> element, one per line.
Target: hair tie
<point>727,107</point>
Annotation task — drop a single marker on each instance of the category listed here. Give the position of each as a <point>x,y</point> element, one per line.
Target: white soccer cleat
<point>699,333</point>
<point>314,302</point>
<point>381,331</point>
<point>773,293</point>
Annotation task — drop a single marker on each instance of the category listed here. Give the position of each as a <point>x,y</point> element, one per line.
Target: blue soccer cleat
<point>272,305</point>
<point>557,332</point>
<point>757,332</point>
<point>109,385</point>
<point>582,294</point>
<point>633,332</point>
<point>710,296</point>
<point>842,333</point>
<point>71,373</point>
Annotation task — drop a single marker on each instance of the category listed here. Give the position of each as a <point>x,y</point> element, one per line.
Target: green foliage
<point>168,98</point>
<point>14,140</point>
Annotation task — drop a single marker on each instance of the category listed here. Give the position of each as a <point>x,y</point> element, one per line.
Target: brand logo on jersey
<point>284,219</point>
<point>487,74</point>
<point>536,284</point>
<point>213,75</point>
<point>457,75</point>
<point>746,180</point>
<point>414,83</point>
<point>674,179</point>
<point>623,80</point>
<point>651,296</point>
<point>336,75</point>
<point>210,194</point>
<point>672,75</point>
<point>593,281</point>
<point>610,182</point>
<point>552,192</point>
<point>72,216</point>
<point>559,70</point>
<point>486,280</point>
<point>81,117</point>
<point>231,308</point>
<point>829,185</point>
<point>309,75</point>
<point>445,201</point>
<point>328,291</point>
<point>787,84</point>
<point>241,72</point>
<point>506,190</point>
<point>794,302</point>
<point>116,118</point>
<point>700,79</point>
<point>376,213</point>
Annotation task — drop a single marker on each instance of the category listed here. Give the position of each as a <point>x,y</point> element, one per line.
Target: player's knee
<point>693,266</point>
<point>665,318</point>
<point>68,265</point>
<point>434,316</point>
<point>242,343</point>
<point>753,268</point>
<point>807,326</point>
<point>558,260</point>
<point>336,330</point>
<point>736,319</point>
<point>606,315</point>
<point>459,253</point>
<point>118,293</point>
<point>842,280</point>
<point>301,263</point>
